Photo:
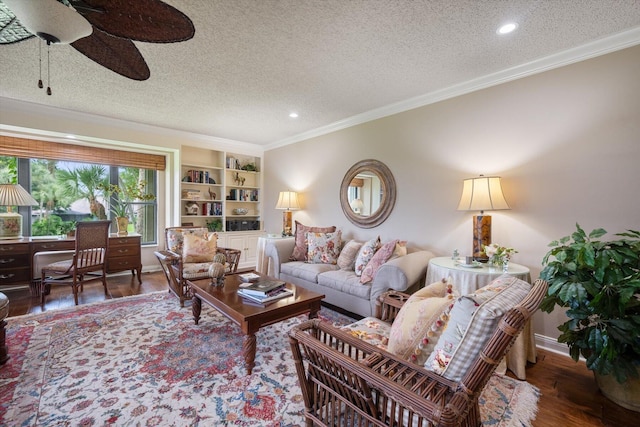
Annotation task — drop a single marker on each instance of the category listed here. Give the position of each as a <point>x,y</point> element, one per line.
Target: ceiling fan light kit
<point>50,20</point>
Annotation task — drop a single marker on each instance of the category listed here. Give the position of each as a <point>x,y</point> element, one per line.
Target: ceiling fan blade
<point>11,30</point>
<point>151,21</point>
<point>119,55</point>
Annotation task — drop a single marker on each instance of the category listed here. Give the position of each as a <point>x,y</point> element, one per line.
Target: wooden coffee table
<point>249,317</point>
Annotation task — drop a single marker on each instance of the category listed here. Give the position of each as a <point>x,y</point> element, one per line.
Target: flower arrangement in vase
<point>499,255</point>
<point>125,195</point>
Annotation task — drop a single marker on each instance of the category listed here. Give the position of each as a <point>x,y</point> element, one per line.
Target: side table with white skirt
<point>468,279</point>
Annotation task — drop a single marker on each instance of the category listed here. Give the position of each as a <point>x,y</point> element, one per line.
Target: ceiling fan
<point>102,30</point>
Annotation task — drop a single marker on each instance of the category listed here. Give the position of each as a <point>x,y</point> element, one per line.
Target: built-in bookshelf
<point>220,190</point>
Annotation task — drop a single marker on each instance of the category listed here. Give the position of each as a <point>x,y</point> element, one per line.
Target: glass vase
<point>505,265</point>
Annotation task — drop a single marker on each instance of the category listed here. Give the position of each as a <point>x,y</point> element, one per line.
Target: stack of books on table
<point>264,291</point>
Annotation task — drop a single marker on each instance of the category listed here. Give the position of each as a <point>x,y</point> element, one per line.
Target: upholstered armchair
<point>347,379</point>
<point>188,255</point>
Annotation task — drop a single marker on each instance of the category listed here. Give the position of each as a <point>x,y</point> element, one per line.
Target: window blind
<point>35,149</point>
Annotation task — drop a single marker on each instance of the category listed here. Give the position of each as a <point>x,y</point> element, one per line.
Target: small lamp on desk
<point>11,222</point>
<point>288,201</point>
<point>482,194</point>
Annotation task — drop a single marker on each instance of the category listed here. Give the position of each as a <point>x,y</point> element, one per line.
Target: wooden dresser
<point>16,256</point>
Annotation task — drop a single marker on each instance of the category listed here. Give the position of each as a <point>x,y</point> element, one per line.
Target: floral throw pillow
<point>420,322</point>
<point>199,249</point>
<point>324,248</point>
<point>348,254</point>
<point>365,254</point>
<point>300,250</point>
<point>381,256</point>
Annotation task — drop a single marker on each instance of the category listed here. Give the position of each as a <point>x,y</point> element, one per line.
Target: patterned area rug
<point>141,361</point>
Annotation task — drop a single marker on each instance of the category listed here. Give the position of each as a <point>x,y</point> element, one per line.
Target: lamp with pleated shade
<point>288,201</point>
<point>482,194</point>
<point>11,222</point>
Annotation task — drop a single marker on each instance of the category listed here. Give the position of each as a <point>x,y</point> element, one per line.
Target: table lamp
<point>11,222</point>
<point>357,205</point>
<point>482,194</point>
<point>288,200</point>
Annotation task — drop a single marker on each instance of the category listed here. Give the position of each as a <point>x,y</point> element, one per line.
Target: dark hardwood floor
<point>569,395</point>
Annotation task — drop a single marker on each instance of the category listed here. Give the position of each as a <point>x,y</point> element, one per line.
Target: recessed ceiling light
<point>293,115</point>
<point>507,28</point>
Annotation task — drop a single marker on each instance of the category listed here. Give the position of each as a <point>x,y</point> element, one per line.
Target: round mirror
<point>368,193</point>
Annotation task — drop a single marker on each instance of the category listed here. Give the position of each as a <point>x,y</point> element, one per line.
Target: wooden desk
<point>16,256</point>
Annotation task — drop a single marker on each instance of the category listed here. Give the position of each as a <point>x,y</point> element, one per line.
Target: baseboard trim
<point>552,345</point>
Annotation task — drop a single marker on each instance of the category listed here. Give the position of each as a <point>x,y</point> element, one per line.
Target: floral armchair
<point>188,255</point>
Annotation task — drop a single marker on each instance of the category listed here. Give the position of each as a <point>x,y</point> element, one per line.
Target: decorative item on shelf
<point>240,211</point>
<point>214,225</point>
<point>249,167</point>
<point>287,200</point>
<point>120,199</point>
<point>212,195</point>
<point>192,208</point>
<point>11,222</point>
<point>239,179</point>
<point>482,194</point>
<point>499,255</point>
<point>598,280</point>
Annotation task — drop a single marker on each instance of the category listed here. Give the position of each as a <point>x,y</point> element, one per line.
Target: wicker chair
<point>178,272</point>
<point>88,262</point>
<point>347,381</point>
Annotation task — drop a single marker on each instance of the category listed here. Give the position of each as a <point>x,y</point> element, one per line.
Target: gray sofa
<point>342,288</point>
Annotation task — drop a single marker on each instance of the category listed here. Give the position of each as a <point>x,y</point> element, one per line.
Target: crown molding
<point>589,50</point>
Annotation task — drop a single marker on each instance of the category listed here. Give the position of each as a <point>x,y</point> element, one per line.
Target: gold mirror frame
<point>387,187</point>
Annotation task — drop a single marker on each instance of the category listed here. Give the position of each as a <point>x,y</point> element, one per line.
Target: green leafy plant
<point>122,196</point>
<point>599,282</point>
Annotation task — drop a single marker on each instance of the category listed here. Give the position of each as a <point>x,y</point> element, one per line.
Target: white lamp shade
<point>15,195</point>
<point>49,17</point>
<point>482,194</point>
<point>288,200</point>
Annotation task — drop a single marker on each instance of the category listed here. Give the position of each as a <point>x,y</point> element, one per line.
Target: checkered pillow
<point>473,320</point>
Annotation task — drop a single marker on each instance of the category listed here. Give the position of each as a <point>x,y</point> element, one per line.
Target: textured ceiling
<point>252,62</point>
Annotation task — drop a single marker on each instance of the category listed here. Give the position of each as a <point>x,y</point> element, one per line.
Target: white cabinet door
<point>248,244</point>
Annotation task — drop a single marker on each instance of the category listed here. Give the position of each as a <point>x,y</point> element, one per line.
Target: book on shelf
<point>266,299</point>
<point>263,287</point>
<point>249,277</point>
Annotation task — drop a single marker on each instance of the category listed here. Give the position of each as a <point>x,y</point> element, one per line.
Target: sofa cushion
<point>420,322</point>
<point>372,330</point>
<point>199,249</point>
<point>366,252</point>
<point>400,250</point>
<point>381,256</point>
<point>324,248</point>
<point>300,249</point>
<point>344,281</point>
<point>473,320</point>
<point>348,254</point>
<point>306,271</point>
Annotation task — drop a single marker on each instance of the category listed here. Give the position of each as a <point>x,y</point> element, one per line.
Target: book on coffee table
<point>263,287</point>
<point>267,299</point>
<point>249,277</point>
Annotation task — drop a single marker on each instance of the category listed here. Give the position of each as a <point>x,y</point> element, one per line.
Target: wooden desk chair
<point>88,262</point>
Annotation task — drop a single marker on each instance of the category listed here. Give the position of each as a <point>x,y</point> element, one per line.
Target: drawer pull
<point>123,251</point>
<point>6,276</point>
<point>6,261</point>
<point>45,246</point>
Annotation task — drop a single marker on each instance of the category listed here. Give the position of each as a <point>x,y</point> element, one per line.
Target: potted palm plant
<point>120,199</point>
<point>598,281</point>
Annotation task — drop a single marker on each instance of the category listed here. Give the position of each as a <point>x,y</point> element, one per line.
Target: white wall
<point>566,143</point>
